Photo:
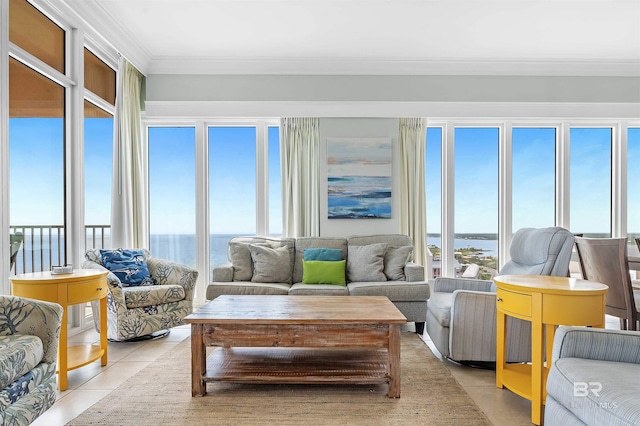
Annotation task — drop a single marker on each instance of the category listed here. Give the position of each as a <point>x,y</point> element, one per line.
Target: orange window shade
<point>37,34</point>
<point>99,78</point>
<point>33,95</point>
<point>92,111</point>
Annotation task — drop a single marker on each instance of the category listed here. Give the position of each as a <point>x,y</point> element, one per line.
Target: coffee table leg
<point>198,361</point>
<point>394,361</point>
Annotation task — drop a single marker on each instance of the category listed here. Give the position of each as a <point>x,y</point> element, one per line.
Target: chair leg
<point>420,328</point>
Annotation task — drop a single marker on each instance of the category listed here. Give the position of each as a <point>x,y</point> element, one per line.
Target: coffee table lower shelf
<point>297,365</point>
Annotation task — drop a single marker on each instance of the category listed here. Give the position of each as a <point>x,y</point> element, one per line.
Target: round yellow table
<point>546,302</point>
<point>81,286</point>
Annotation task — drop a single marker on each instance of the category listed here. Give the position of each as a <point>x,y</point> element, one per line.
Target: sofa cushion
<point>325,254</point>
<point>270,265</point>
<point>239,254</point>
<point>396,291</point>
<point>366,263</point>
<point>439,304</point>
<point>239,288</point>
<point>323,272</point>
<point>318,290</point>
<point>608,393</point>
<point>395,259</point>
<point>130,266</point>
<point>19,353</point>
<point>303,243</point>
<point>137,297</point>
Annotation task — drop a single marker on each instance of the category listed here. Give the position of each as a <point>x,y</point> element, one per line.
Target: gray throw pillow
<point>240,258</point>
<point>395,258</point>
<point>270,265</point>
<point>366,263</point>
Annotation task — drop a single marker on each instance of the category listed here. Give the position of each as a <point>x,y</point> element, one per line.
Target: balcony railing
<point>43,246</point>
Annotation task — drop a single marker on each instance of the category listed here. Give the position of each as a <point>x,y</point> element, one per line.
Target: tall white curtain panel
<point>300,165</point>
<point>413,215</point>
<point>129,201</point>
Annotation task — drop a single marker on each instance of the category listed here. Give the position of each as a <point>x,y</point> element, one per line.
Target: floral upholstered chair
<point>145,295</point>
<point>29,332</point>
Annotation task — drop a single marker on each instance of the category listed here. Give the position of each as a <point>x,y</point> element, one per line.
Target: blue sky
<point>37,178</point>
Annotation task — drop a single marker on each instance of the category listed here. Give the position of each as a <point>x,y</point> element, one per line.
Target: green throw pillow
<point>323,272</point>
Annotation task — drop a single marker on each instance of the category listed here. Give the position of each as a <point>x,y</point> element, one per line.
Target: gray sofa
<point>594,378</point>
<point>367,274</point>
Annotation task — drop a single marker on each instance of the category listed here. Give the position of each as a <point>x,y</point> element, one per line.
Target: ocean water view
<point>40,253</point>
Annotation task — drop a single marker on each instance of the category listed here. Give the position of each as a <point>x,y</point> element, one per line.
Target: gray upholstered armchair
<point>137,311</point>
<point>461,313</point>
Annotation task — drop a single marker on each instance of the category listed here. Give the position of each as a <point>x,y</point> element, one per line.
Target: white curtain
<point>128,202</point>
<point>300,163</point>
<point>413,210</point>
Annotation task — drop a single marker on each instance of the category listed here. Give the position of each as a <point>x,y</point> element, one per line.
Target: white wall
<point>358,128</point>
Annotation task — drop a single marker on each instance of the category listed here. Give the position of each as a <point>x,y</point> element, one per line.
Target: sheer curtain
<point>129,228</point>
<point>413,213</point>
<point>300,163</point>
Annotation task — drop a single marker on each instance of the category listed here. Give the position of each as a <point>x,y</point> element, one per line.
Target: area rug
<point>161,394</point>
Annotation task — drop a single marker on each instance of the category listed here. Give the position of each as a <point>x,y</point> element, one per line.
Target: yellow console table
<point>546,302</point>
<point>81,286</point>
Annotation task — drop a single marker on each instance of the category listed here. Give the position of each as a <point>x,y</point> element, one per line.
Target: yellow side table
<point>81,286</point>
<point>546,302</point>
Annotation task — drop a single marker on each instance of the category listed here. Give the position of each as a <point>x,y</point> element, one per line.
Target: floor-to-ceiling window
<point>590,178</point>
<point>476,201</point>
<point>275,188</point>
<point>433,197</point>
<point>99,108</point>
<point>533,177</point>
<point>172,206</point>
<point>232,187</point>
<point>37,117</point>
<point>633,186</point>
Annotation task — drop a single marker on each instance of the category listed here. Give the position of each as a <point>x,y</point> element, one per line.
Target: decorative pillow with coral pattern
<point>130,266</point>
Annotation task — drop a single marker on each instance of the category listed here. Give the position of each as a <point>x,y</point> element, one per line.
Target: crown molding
<point>99,22</point>
<point>397,66</point>
<point>433,110</point>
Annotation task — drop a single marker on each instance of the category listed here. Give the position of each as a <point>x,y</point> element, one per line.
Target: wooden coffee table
<point>296,339</point>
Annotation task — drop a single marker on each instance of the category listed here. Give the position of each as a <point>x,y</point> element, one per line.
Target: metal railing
<point>43,246</point>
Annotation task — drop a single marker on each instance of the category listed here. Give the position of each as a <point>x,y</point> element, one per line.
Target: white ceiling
<point>546,37</point>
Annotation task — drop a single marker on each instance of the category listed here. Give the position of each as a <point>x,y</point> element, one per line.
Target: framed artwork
<point>359,178</point>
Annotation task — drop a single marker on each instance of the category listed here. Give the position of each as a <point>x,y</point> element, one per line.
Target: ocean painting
<point>359,174</point>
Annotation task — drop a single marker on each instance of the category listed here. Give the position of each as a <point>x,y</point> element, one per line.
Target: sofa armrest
<point>167,272</point>
<point>597,344</point>
<point>223,273</point>
<point>414,272</point>
<point>449,285</point>
<point>34,317</point>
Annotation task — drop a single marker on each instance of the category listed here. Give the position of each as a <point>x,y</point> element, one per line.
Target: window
<point>172,184</point>
<point>433,189</point>
<point>476,201</point>
<point>533,180</point>
<point>232,187</point>
<point>37,194</point>
<point>590,178</point>
<point>275,187</point>
<point>100,82</point>
<point>633,186</point>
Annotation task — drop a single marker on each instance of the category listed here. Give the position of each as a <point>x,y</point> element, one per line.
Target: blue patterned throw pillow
<point>323,254</point>
<point>130,266</point>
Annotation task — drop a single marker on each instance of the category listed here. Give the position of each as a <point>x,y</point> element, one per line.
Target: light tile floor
<point>87,385</point>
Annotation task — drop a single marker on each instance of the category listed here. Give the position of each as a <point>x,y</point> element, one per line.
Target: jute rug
<point>161,394</point>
